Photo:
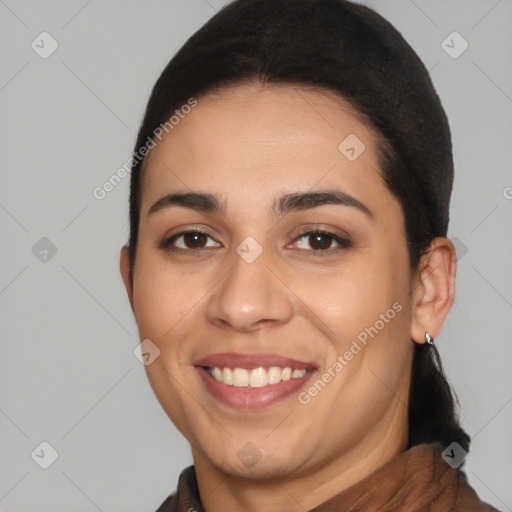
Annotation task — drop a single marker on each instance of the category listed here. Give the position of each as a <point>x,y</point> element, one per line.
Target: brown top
<point>417,480</point>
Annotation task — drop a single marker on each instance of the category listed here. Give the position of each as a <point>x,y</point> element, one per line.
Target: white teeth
<point>255,378</point>
<point>274,375</point>
<point>240,377</point>
<point>227,376</point>
<point>217,373</point>
<point>258,378</point>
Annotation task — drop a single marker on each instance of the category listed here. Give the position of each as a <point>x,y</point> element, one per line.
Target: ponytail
<point>432,413</point>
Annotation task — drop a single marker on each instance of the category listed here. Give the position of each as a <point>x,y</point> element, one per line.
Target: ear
<point>433,289</point>
<point>124,266</point>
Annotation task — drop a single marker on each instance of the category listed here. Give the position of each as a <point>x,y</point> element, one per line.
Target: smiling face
<point>258,282</point>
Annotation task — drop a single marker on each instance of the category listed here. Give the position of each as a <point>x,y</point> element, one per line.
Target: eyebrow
<point>285,204</point>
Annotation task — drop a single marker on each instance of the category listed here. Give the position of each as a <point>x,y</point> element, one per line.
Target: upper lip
<point>251,361</point>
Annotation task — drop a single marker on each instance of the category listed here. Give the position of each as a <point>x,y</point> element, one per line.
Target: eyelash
<point>167,246</point>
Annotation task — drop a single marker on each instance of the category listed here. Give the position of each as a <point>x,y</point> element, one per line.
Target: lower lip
<point>252,398</point>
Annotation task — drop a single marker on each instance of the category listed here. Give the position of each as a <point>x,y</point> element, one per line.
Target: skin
<point>251,144</point>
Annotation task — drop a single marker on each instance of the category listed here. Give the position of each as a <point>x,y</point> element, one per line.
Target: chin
<point>253,462</point>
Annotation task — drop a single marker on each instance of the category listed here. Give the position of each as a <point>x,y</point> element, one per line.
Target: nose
<point>250,296</point>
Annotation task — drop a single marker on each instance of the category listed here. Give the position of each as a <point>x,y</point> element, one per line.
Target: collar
<point>416,480</point>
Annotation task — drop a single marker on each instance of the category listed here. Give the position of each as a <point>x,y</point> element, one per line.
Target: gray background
<point>68,122</point>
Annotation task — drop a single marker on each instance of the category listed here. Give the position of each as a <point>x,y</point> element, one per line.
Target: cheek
<point>349,299</point>
<point>162,295</point>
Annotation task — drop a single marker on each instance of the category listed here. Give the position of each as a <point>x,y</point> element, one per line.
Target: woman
<point>288,265</point>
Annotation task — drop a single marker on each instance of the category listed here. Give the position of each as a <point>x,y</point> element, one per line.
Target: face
<point>317,282</point>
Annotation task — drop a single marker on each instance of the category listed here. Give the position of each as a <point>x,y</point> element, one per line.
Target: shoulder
<point>467,499</point>
<point>186,497</point>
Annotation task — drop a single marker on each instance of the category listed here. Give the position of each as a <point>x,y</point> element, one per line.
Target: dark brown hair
<point>350,50</point>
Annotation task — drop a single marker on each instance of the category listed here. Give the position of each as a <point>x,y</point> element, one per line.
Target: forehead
<point>257,137</point>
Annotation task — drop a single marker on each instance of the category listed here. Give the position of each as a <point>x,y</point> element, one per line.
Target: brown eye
<point>321,242</point>
<point>193,240</point>
<point>187,241</point>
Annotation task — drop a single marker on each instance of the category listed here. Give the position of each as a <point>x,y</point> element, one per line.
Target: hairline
<point>344,104</point>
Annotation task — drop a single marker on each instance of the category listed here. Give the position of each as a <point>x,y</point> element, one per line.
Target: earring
<point>429,339</point>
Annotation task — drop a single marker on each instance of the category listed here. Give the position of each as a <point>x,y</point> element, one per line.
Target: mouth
<point>248,381</point>
<point>255,377</point>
